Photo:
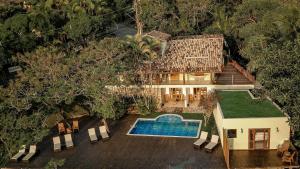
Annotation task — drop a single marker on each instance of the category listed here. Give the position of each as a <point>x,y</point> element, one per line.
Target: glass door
<point>259,139</point>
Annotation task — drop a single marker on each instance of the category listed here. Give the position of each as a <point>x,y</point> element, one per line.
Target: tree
<point>78,27</point>
<point>67,79</point>
<point>267,35</point>
<point>278,70</point>
<point>17,129</point>
<point>55,164</point>
<point>146,52</point>
<point>176,17</point>
<point>208,103</point>
<point>144,45</point>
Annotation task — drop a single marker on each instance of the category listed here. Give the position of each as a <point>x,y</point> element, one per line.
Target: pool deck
<point>126,152</point>
<point>257,158</point>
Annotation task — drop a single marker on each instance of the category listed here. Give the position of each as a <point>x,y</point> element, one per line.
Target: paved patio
<point>127,152</point>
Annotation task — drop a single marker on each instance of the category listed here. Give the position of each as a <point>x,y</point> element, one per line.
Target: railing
<point>181,82</point>
<point>246,73</point>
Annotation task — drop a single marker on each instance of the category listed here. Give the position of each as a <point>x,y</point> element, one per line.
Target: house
<point>248,123</point>
<point>189,67</point>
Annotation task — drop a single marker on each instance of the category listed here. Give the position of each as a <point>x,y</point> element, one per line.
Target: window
<point>231,133</point>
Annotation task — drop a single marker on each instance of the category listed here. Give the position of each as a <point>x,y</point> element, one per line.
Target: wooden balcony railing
<point>245,73</point>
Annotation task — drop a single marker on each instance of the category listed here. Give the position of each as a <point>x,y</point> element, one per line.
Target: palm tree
<point>144,45</point>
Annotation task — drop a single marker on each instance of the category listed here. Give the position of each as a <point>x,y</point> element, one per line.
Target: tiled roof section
<point>159,35</point>
<point>201,53</point>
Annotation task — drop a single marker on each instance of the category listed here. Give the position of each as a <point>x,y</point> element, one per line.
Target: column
<point>169,77</point>
<point>167,94</point>
<point>186,101</point>
<point>167,90</point>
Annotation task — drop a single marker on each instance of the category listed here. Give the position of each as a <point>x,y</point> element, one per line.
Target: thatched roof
<point>202,53</point>
<point>158,35</point>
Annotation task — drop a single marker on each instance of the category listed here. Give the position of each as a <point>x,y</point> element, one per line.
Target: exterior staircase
<point>232,75</point>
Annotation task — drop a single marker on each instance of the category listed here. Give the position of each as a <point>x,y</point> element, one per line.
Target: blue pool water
<point>166,125</point>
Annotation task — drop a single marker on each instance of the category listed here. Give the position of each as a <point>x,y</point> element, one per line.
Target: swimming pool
<point>166,125</point>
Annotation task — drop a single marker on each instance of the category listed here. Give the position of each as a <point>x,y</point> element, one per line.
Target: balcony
<point>182,82</point>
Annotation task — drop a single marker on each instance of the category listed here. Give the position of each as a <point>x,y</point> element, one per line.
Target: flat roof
<point>239,104</point>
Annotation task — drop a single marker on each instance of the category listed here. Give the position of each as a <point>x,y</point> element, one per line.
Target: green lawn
<point>239,104</point>
<point>210,127</point>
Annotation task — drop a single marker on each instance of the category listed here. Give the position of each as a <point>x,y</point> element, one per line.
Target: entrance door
<point>259,139</point>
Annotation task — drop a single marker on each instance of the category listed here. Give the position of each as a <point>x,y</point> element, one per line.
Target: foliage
<point>264,36</point>
<point>267,33</point>
<point>55,164</point>
<point>78,27</point>
<point>41,90</point>
<point>25,26</point>
<point>261,34</point>
<point>144,45</point>
<point>19,129</point>
<point>146,104</point>
<point>208,103</point>
<point>279,68</point>
<point>176,17</point>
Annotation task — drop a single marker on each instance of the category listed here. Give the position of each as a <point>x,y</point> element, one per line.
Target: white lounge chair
<point>103,133</point>
<point>213,143</point>
<point>56,144</point>
<point>201,140</point>
<point>92,134</point>
<point>68,141</point>
<point>32,152</point>
<point>21,153</point>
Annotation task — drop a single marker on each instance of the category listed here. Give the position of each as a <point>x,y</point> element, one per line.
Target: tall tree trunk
<point>138,11</point>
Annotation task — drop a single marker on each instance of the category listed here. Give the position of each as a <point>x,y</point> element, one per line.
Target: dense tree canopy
<point>71,78</point>
<point>176,17</point>
<point>25,26</point>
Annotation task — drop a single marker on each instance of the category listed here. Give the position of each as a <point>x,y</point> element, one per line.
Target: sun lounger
<point>201,140</point>
<point>103,133</point>
<point>21,153</point>
<point>69,141</point>
<point>212,144</point>
<point>32,152</point>
<point>92,134</point>
<point>56,144</point>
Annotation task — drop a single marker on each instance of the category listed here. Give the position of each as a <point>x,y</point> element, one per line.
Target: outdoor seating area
<point>287,152</point>
<point>69,129</point>
<point>209,147</point>
<point>212,144</point>
<point>162,151</point>
<point>140,152</point>
<point>25,154</point>
<point>21,153</point>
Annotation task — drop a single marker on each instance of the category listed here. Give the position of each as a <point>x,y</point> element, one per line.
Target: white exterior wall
<point>219,121</point>
<point>241,141</point>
